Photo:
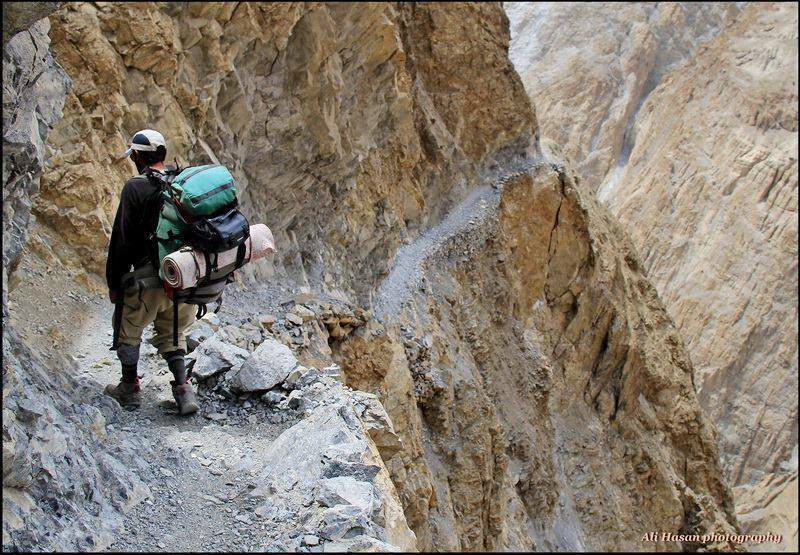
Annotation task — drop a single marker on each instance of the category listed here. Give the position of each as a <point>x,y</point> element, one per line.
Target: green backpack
<point>200,210</point>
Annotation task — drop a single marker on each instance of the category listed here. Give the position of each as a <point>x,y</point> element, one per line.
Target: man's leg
<point>136,314</point>
<point>174,354</point>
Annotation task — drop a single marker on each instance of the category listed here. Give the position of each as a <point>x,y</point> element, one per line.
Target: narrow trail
<point>200,469</point>
<point>197,472</point>
<point>463,220</point>
<point>198,488</point>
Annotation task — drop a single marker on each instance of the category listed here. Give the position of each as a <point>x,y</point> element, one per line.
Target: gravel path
<point>463,220</point>
<point>200,469</point>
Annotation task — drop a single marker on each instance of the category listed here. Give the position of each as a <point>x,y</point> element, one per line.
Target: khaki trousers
<point>153,306</point>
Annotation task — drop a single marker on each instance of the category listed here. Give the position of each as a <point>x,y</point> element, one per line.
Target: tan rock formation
<point>704,177</point>
<point>362,116</point>
<point>543,397</point>
<point>770,506</point>
<point>589,67</point>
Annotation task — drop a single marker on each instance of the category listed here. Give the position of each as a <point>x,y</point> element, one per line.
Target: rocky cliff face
<point>359,116</point>
<point>699,162</point>
<point>595,65</point>
<point>34,88</point>
<point>538,385</point>
<point>536,391</point>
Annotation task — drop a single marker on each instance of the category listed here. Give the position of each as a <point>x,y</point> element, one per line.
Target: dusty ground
<point>198,469</point>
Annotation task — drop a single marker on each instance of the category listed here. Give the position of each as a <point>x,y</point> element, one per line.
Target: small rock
<point>266,320</point>
<point>294,319</point>
<point>346,490</point>
<point>198,333</point>
<point>212,320</point>
<point>310,539</point>
<point>304,312</point>
<point>167,472</point>
<point>295,400</point>
<point>295,375</point>
<point>213,356</point>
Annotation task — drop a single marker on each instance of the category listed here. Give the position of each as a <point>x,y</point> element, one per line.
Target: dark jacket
<point>131,243</point>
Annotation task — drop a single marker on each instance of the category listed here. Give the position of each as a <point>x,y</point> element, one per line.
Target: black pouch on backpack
<point>220,233</point>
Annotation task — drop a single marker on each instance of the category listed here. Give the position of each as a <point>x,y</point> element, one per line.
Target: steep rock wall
<point>544,398</point>
<point>34,88</point>
<point>355,125</point>
<point>590,67</point>
<point>705,181</point>
<point>354,131</point>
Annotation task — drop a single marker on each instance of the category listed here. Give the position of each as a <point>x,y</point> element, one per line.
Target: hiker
<point>139,295</point>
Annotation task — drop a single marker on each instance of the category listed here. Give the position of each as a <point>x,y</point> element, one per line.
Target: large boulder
<point>268,366</point>
<point>213,356</point>
<point>329,457</point>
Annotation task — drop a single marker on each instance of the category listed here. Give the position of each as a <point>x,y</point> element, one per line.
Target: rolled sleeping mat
<point>183,268</point>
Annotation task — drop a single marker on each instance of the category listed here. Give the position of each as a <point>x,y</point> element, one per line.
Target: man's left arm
<point>118,262</point>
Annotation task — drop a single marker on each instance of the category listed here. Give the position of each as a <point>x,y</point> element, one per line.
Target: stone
<point>36,87</point>
<point>294,376</point>
<point>267,366</point>
<point>273,397</point>
<point>694,97</point>
<point>310,377</point>
<point>303,312</point>
<point>212,320</point>
<point>360,544</point>
<point>198,333</point>
<point>348,491</point>
<point>324,434</point>
<point>333,371</point>
<point>214,356</point>
<point>310,540</point>
<point>295,400</point>
<point>343,521</point>
<point>266,320</point>
<point>378,425</point>
<point>294,319</point>
<point>235,335</point>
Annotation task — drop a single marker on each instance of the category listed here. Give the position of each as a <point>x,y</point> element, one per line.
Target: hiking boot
<point>185,398</point>
<point>127,394</point>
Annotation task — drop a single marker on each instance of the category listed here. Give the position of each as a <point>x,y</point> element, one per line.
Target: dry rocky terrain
<point>454,348</point>
<point>683,117</point>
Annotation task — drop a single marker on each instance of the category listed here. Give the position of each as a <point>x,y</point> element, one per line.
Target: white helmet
<point>146,140</point>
